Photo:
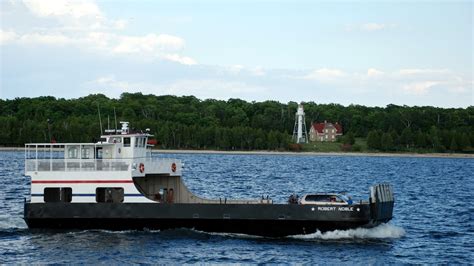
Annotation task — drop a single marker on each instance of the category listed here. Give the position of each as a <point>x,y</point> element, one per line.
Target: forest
<point>187,122</point>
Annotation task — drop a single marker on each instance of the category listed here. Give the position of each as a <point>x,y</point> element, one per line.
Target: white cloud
<point>372,72</point>
<point>257,71</point>
<point>235,69</point>
<point>417,71</point>
<point>71,15</point>
<point>419,88</point>
<point>82,25</point>
<point>76,9</point>
<point>180,59</point>
<point>150,43</point>
<point>7,36</point>
<point>410,81</point>
<point>373,26</point>
<point>325,74</point>
<point>50,39</point>
<point>202,88</point>
<point>120,24</point>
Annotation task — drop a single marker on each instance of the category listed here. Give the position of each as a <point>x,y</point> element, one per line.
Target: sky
<point>346,52</point>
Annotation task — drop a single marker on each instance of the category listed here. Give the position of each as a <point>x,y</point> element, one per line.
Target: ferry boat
<point>116,184</point>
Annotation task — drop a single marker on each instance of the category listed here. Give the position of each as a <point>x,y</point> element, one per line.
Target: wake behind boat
<point>116,184</point>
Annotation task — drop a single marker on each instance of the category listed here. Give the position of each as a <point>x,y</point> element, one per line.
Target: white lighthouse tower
<point>300,135</point>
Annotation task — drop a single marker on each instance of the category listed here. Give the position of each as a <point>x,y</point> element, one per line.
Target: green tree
<point>348,139</point>
<point>465,142</point>
<point>374,140</point>
<point>454,146</point>
<point>406,138</point>
<point>420,140</point>
<point>387,142</point>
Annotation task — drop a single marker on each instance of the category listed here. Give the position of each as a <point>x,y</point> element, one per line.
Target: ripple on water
<point>433,220</point>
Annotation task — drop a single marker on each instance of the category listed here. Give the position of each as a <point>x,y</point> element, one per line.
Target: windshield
<point>325,198</point>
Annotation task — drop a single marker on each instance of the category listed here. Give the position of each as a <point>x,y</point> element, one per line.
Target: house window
<point>109,194</point>
<point>126,142</point>
<point>56,194</point>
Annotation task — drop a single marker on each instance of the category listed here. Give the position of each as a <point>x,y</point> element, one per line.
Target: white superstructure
<point>94,172</point>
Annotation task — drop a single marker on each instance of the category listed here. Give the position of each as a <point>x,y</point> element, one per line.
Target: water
<point>433,217</point>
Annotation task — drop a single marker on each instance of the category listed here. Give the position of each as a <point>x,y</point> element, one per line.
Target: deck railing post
<point>80,157</point>
<point>36,158</point>
<point>50,157</point>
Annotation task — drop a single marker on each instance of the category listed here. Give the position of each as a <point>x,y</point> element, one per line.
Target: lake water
<point>433,217</point>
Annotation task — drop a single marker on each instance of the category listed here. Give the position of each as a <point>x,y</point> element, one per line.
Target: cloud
<point>82,25</point>
<point>180,59</point>
<point>372,72</point>
<point>257,71</point>
<point>409,81</point>
<point>72,15</point>
<point>325,75</point>
<point>49,39</point>
<point>419,88</point>
<point>202,88</point>
<point>149,43</point>
<point>7,36</point>
<point>372,26</point>
<point>417,71</point>
<point>76,9</point>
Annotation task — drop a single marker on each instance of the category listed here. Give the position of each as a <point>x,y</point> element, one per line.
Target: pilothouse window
<point>126,142</point>
<point>140,142</point>
<point>86,153</point>
<point>72,152</point>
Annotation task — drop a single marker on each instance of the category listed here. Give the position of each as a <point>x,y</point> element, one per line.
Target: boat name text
<point>333,208</point>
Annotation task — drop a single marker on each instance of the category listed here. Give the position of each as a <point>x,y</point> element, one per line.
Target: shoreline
<point>370,154</point>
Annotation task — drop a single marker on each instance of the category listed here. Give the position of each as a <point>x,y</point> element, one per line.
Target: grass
<point>317,146</point>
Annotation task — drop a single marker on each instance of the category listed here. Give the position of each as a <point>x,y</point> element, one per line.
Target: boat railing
<point>65,165</point>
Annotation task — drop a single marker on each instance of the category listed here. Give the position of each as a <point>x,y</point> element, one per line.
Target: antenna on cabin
<point>100,119</point>
<point>108,121</point>
<point>115,116</point>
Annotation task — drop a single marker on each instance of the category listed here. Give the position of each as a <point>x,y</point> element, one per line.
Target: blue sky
<point>356,52</point>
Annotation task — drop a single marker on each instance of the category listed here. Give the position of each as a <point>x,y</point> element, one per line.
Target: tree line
<point>190,123</point>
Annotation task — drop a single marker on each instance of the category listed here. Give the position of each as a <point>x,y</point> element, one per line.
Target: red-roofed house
<point>325,131</point>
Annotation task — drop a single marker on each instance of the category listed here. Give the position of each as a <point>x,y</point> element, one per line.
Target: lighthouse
<point>300,135</point>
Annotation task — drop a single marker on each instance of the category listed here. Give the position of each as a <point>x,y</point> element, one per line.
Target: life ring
<point>173,167</point>
<point>141,168</point>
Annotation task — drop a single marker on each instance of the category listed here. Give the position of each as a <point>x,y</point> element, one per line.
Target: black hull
<point>273,220</point>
